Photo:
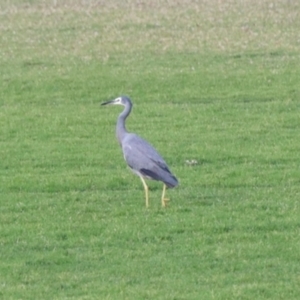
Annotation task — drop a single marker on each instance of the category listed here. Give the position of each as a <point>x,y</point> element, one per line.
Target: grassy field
<point>217,82</point>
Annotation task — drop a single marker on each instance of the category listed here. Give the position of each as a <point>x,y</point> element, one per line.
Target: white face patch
<point>118,100</point>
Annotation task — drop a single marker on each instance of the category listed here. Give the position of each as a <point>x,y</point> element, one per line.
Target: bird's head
<point>122,100</point>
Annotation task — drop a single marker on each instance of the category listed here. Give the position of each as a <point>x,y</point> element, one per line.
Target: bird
<point>141,157</point>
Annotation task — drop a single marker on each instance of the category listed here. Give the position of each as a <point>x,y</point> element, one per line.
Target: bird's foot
<point>165,202</point>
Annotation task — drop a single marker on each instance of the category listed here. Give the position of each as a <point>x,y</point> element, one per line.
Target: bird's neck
<point>121,128</point>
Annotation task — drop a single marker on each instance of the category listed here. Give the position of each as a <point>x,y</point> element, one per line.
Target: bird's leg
<point>163,199</point>
<point>146,191</point>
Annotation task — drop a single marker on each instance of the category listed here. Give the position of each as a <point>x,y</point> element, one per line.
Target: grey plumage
<point>140,156</point>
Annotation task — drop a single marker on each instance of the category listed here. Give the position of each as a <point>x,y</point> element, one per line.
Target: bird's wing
<point>146,161</point>
<point>139,154</point>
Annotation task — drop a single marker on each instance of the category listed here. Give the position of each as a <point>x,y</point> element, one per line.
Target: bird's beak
<point>108,102</point>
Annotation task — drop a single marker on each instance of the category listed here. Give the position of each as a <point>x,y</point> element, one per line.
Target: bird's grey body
<point>140,156</point>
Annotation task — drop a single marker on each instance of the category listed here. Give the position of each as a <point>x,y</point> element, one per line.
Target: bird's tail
<point>166,177</point>
<point>171,182</point>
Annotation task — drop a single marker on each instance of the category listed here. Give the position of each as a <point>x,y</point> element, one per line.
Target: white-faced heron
<point>140,156</point>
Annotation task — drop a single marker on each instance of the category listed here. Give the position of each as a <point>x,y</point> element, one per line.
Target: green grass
<point>216,82</point>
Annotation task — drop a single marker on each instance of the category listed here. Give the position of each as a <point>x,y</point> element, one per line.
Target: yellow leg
<point>146,191</point>
<point>163,199</point>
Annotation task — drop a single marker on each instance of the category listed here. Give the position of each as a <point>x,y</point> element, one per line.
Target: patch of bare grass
<point>98,28</point>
